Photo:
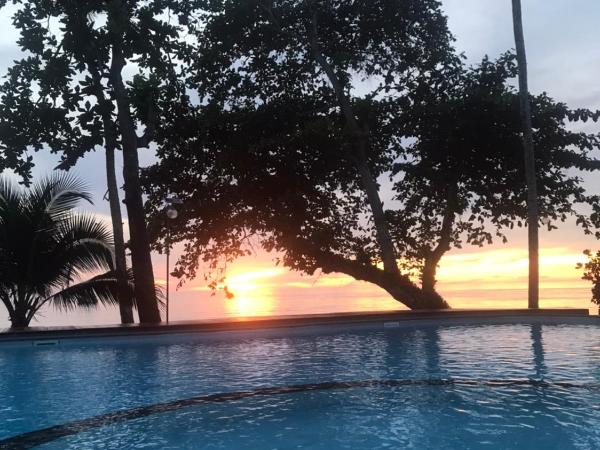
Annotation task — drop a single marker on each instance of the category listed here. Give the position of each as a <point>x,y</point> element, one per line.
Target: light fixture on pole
<point>172,214</point>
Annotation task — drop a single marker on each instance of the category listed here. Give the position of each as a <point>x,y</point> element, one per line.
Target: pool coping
<point>290,321</point>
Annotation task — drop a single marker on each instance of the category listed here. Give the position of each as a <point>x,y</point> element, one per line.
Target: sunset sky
<point>564,60</point>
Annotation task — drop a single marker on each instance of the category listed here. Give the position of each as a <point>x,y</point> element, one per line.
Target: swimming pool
<point>508,386</point>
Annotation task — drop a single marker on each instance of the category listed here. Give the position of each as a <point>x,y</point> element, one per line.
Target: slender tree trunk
<point>110,146</point>
<point>530,172</point>
<point>18,314</point>
<point>125,300</point>
<point>140,248</point>
<point>360,141</point>
<point>382,232</point>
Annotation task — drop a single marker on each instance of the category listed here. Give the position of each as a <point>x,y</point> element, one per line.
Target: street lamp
<point>172,214</point>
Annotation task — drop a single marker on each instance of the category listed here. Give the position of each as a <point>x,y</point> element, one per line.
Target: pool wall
<point>288,325</point>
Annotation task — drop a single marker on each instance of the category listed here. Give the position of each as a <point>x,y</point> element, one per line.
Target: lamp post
<point>171,215</point>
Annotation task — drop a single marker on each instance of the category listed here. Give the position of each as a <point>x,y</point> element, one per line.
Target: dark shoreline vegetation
<point>277,123</point>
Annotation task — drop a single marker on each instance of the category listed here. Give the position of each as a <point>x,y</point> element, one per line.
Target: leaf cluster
<point>56,95</point>
<point>591,272</point>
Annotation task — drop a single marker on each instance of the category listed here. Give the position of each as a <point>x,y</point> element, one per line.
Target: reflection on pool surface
<point>457,387</point>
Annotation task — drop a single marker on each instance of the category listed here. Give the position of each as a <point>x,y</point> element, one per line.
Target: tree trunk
<point>432,260</point>
<point>125,300</point>
<point>397,285</point>
<point>530,173</point>
<point>140,248</point>
<point>400,288</point>
<point>20,316</point>
<point>19,321</point>
<point>110,145</point>
<point>428,279</point>
<point>382,232</point>
<point>360,137</point>
<point>406,292</point>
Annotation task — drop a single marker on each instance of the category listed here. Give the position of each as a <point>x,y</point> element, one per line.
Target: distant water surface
<point>198,305</point>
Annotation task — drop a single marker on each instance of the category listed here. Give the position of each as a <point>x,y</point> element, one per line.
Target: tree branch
<point>331,76</point>
<point>447,225</point>
<point>144,140</point>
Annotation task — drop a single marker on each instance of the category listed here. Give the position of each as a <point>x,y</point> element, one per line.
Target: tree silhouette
<point>276,173</point>
<point>281,118</point>
<point>72,92</point>
<point>591,272</point>
<point>461,181</point>
<point>45,248</point>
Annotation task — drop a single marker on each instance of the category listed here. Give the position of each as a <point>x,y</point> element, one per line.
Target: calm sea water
<point>198,305</point>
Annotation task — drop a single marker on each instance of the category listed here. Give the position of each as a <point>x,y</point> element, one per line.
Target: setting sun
<point>252,295</point>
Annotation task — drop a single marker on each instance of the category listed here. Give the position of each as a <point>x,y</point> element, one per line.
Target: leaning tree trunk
<point>405,291</point>
<point>399,286</point>
<point>382,232</point>
<point>428,275</point>
<point>530,173</point>
<point>141,260</point>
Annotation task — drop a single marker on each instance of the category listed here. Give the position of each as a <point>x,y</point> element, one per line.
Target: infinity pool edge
<point>395,318</point>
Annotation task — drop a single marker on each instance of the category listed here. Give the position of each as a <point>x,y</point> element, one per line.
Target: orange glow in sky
<point>493,278</point>
<point>252,291</point>
<point>507,269</point>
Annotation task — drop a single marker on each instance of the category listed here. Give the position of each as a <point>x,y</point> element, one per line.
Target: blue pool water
<point>521,386</point>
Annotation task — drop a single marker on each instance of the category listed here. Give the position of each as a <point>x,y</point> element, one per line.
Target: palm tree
<point>530,176</point>
<point>46,248</point>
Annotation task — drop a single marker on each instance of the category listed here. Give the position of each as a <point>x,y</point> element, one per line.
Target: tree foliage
<point>591,272</point>
<point>46,249</point>
<point>280,118</point>
<point>461,178</point>
<point>291,93</point>
<point>94,73</point>
<point>50,96</point>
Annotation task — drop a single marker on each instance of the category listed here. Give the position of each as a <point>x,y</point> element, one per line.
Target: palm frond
<point>10,204</point>
<point>99,290</point>
<point>45,248</point>
<point>83,244</point>
<point>56,195</point>
<point>10,195</point>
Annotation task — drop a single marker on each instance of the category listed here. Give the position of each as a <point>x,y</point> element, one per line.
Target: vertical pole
<point>168,252</point>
